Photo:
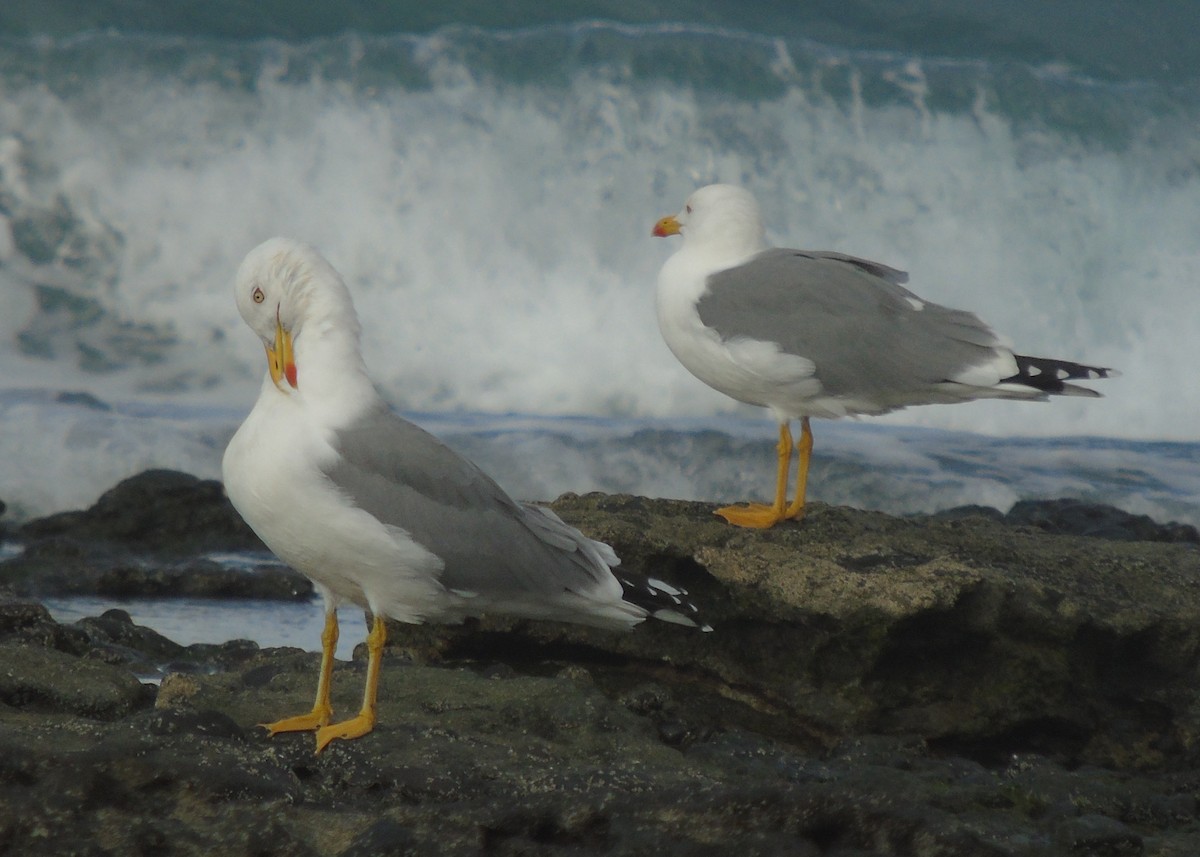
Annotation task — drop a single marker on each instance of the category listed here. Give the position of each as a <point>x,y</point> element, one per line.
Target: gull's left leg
<point>322,711</point>
<point>760,515</point>
<point>804,452</point>
<point>364,721</point>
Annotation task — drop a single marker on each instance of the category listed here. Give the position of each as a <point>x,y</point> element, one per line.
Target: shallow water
<point>194,620</point>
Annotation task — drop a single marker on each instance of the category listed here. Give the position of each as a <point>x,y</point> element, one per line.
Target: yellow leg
<point>804,452</point>
<point>364,722</point>
<point>760,515</point>
<point>322,711</point>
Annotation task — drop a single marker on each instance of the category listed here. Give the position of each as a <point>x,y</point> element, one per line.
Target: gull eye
<point>688,209</point>
<point>258,295</point>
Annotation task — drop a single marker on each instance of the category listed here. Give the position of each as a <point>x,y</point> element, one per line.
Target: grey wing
<point>865,333</point>
<point>884,272</point>
<point>490,543</point>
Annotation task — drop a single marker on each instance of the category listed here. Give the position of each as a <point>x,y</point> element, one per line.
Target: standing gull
<point>380,513</point>
<point>821,334</point>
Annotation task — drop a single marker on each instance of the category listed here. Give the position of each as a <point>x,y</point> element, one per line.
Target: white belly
<point>273,478</point>
<point>750,371</point>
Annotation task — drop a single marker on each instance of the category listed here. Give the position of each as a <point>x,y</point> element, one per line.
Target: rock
<point>985,639</point>
<point>873,685</point>
<point>1098,836</point>
<point>1079,518</point>
<point>972,511</point>
<point>158,511</point>
<point>114,639</point>
<point>204,579</point>
<point>19,617</point>
<point>1074,517</point>
<point>47,681</point>
<point>62,566</point>
<point>28,622</point>
<point>383,837</point>
<point>176,690</point>
<point>148,537</point>
<point>463,763</point>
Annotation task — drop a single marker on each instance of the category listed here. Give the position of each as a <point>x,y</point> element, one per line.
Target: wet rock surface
<point>158,511</point>
<point>1078,518</point>
<point>152,536</point>
<point>958,685</point>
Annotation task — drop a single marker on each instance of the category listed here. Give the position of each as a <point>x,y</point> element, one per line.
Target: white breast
<point>272,473</point>
<point>751,371</point>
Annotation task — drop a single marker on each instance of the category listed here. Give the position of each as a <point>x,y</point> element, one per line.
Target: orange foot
<point>303,723</point>
<point>757,515</point>
<point>355,727</point>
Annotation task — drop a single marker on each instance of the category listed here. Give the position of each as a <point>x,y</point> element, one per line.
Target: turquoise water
<point>486,175</point>
<point>1107,38</point>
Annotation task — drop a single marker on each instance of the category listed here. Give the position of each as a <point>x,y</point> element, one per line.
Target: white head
<point>722,218</point>
<point>291,297</point>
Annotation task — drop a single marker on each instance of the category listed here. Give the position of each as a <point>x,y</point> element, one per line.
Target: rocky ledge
<point>159,534</point>
<point>967,684</point>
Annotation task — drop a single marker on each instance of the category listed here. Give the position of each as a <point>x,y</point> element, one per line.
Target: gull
<point>810,333</point>
<point>379,513</point>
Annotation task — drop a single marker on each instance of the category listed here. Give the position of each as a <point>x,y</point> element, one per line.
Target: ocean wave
<point>61,452</point>
<point>1108,40</point>
<point>488,195</point>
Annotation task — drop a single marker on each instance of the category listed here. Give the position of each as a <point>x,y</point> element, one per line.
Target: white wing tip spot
<point>663,586</point>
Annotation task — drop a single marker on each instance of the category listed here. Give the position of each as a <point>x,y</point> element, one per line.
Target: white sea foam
<point>496,237</point>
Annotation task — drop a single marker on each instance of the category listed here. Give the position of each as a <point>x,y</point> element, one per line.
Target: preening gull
<point>380,513</point>
<point>822,334</point>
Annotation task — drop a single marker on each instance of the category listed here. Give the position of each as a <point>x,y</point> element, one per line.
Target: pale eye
<point>258,295</point>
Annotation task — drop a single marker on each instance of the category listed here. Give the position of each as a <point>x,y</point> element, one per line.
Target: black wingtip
<point>1052,376</point>
<point>662,600</point>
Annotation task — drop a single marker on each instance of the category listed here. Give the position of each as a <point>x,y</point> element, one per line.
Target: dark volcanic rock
<point>58,567</point>
<point>113,638</point>
<point>1078,518</point>
<point>1074,517</point>
<point>41,680</point>
<point>873,686</point>
<point>984,639</point>
<point>158,511</point>
<point>146,538</point>
<point>462,763</point>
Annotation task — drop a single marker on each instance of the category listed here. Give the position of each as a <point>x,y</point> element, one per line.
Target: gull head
<point>718,216</point>
<point>284,287</point>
